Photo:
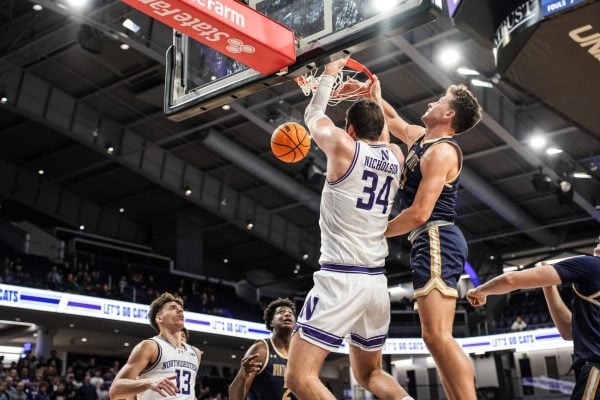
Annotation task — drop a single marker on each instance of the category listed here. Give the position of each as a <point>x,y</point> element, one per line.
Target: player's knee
<point>362,377</point>
<point>294,382</point>
<point>435,338</point>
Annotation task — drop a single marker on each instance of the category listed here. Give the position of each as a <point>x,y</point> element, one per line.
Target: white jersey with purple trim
<point>356,207</point>
<point>180,362</point>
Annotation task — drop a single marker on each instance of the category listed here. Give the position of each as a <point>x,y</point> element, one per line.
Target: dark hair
<point>270,310</point>
<point>467,108</point>
<point>367,119</point>
<point>158,304</point>
<point>186,333</point>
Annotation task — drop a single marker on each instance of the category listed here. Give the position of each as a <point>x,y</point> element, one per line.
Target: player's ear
<point>351,131</point>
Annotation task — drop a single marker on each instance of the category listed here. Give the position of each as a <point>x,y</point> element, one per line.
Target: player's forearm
<point>559,312</point>
<point>237,388</point>
<point>405,222</point>
<point>127,388</point>
<point>499,285</point>
<point>395,124</point>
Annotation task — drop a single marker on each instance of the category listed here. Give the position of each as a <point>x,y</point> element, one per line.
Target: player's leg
<point>368,371</point>
<point>587,386</point>
<point>436,312</point>
<point>437,259</point>
<point>302,374</point>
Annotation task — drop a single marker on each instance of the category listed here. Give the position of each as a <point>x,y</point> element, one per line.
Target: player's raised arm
<point>252,363</point>
<point>321,127</point>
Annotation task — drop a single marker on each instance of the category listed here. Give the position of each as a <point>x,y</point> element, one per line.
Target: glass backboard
<point>199,78</point>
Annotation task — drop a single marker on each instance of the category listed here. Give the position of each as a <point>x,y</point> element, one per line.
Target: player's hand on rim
<point>335,66</point>
<point>165,386</point>
<point>375,90</point>
<point>250,365</point>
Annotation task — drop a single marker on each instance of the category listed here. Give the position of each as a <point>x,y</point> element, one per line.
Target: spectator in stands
<point>3,392</point>
<point>87,391</point>
<point>42,393</point>
<point>519,324</point>
<point>55,361</point>
<point>582,325</point>
<point>59,392</point>
<point>54,279</point>
<point>19,392</point>
<point>10,384</point>
<point>97,378</point>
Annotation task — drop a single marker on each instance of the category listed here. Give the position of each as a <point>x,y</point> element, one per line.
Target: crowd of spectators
<point>122,281</point>
<point>85,378</point>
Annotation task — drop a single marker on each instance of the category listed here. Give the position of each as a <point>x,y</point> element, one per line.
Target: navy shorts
<point>437,260</point>
<point>587,386</point>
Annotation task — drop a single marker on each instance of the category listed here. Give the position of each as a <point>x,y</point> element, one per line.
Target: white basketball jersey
<point>180,362</point>
<point>356,207</point>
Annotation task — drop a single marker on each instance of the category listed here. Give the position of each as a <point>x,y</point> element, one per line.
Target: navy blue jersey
<point>584,273</point>
<point>411,178</point>
<point>269,384</point>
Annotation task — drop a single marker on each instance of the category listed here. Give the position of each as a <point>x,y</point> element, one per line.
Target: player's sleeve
<point>578,269</point>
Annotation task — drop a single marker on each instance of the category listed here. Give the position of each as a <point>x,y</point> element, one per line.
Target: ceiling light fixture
<point>187,191</point>
<point>41,172</point>
<point>449,57</point>
<point>582,175</point>
<point>480,83</point>
<point>250,225</point>
<point>37,7</point>
<point>3,99</point>
<point>81,227</point>
<point>541,182</point>
<point>121,210</point>
<point>226,107</point>
<point>553,150</point>
<point>110,149</point>
<point>467,71</point>
<point>124,46</point>
<point>537,142</point>
<point>132,26</point>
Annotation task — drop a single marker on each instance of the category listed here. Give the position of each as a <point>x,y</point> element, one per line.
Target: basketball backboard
<point>199,78</point>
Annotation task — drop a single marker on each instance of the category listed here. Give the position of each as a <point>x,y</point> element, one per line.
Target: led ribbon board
<point>229,27</point>
<point>121,311</point>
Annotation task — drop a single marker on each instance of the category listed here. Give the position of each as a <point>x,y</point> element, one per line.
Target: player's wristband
<point>318,104</point>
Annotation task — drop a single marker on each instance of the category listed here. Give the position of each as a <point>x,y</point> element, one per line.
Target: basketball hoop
<point>309,82</point>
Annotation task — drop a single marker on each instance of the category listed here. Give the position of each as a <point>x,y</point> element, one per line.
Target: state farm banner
<point>229,27</point>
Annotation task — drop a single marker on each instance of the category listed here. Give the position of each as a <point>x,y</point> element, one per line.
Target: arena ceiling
<point>68,101</point>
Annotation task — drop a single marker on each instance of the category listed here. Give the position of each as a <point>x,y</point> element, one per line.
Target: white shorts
<point>352,304</point>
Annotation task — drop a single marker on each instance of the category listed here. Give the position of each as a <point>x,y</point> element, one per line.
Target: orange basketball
<point>290,142</point>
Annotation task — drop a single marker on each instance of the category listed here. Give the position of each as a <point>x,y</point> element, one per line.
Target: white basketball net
<point>309,83</point>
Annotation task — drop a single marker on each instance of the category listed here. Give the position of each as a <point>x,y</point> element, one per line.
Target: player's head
<point>185,335</point>
<point>166,310</point>
<point>458,108</point>
<point>365,119</point>
<point>280,313</point>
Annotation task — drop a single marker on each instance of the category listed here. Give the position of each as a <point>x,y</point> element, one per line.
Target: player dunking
<point>349,297</point>
<point>161,366</point>
<point>582,325</point>
<point>429,187</point>
<point>262,369</point>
